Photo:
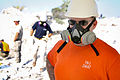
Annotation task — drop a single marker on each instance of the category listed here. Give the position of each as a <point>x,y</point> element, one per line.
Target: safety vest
<point>5,46</point>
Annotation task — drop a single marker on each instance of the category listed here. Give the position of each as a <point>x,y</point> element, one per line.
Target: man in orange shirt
<point>85,57</point>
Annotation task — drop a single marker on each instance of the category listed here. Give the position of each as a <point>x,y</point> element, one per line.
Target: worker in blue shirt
<point>40,28</point>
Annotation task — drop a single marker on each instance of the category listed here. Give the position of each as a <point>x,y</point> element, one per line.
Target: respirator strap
<point>94,19</point>
<point>96,51</point>
<point>88,27</point>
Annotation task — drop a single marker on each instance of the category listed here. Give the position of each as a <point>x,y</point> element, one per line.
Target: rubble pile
<point>108,29</point>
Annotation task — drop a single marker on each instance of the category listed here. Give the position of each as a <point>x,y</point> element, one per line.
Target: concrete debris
<point>107,29</point>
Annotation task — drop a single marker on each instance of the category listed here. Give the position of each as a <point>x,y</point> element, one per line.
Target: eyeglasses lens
<point>81,23</point>
<point>71,22</point>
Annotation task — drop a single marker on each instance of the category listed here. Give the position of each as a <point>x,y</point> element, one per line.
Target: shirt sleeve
<point>114,71</point>
<point>49,29</point>
<point>52,55</point>
<point>34,26</point>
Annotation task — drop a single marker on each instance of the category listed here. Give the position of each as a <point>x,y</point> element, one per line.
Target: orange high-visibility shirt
<point>81,62</point>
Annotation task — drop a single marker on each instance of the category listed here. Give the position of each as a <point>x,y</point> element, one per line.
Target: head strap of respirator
<point>81,35</point>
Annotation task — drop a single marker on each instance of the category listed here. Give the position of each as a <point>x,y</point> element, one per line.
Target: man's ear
<point>94,24</point>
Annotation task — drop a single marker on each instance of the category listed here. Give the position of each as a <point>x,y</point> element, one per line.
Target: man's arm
<point>113,72</point>
<point>16,36</point>
<point>50,34</point>
<point>50,70</point>
<point>33,28</point>
<point>31,32</point>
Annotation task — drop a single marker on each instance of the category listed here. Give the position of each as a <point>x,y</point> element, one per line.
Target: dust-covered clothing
<point>97,61</point>
<point>39,47</point>
<point>19,29</point>
<point>18,42</point>
<point>40,29</point>
<point>17,50</point>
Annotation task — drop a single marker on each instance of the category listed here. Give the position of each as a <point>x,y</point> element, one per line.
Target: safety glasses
<point>81,23</point>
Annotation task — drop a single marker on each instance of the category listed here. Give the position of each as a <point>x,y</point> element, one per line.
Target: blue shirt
<point>41,29</point>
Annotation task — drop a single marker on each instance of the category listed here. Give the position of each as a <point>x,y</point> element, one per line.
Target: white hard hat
<point>82,9</point>
<point>16,19</point>
<point>43,18</point>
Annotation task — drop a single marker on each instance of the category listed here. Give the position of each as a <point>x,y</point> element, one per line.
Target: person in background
<point>4,48</point>
<point>85,57</point>
<point>18,34</point>
<point>40,28</point>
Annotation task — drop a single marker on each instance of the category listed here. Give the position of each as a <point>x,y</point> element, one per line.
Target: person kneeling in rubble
<point>4,49</point>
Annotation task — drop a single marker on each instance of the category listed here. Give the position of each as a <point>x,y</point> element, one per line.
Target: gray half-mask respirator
<point>81,35</point>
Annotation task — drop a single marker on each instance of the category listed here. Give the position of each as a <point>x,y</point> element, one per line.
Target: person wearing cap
<point>40,28</point>
<point>4,48</point>
<point>17,35</point>
<point>85,57</point>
